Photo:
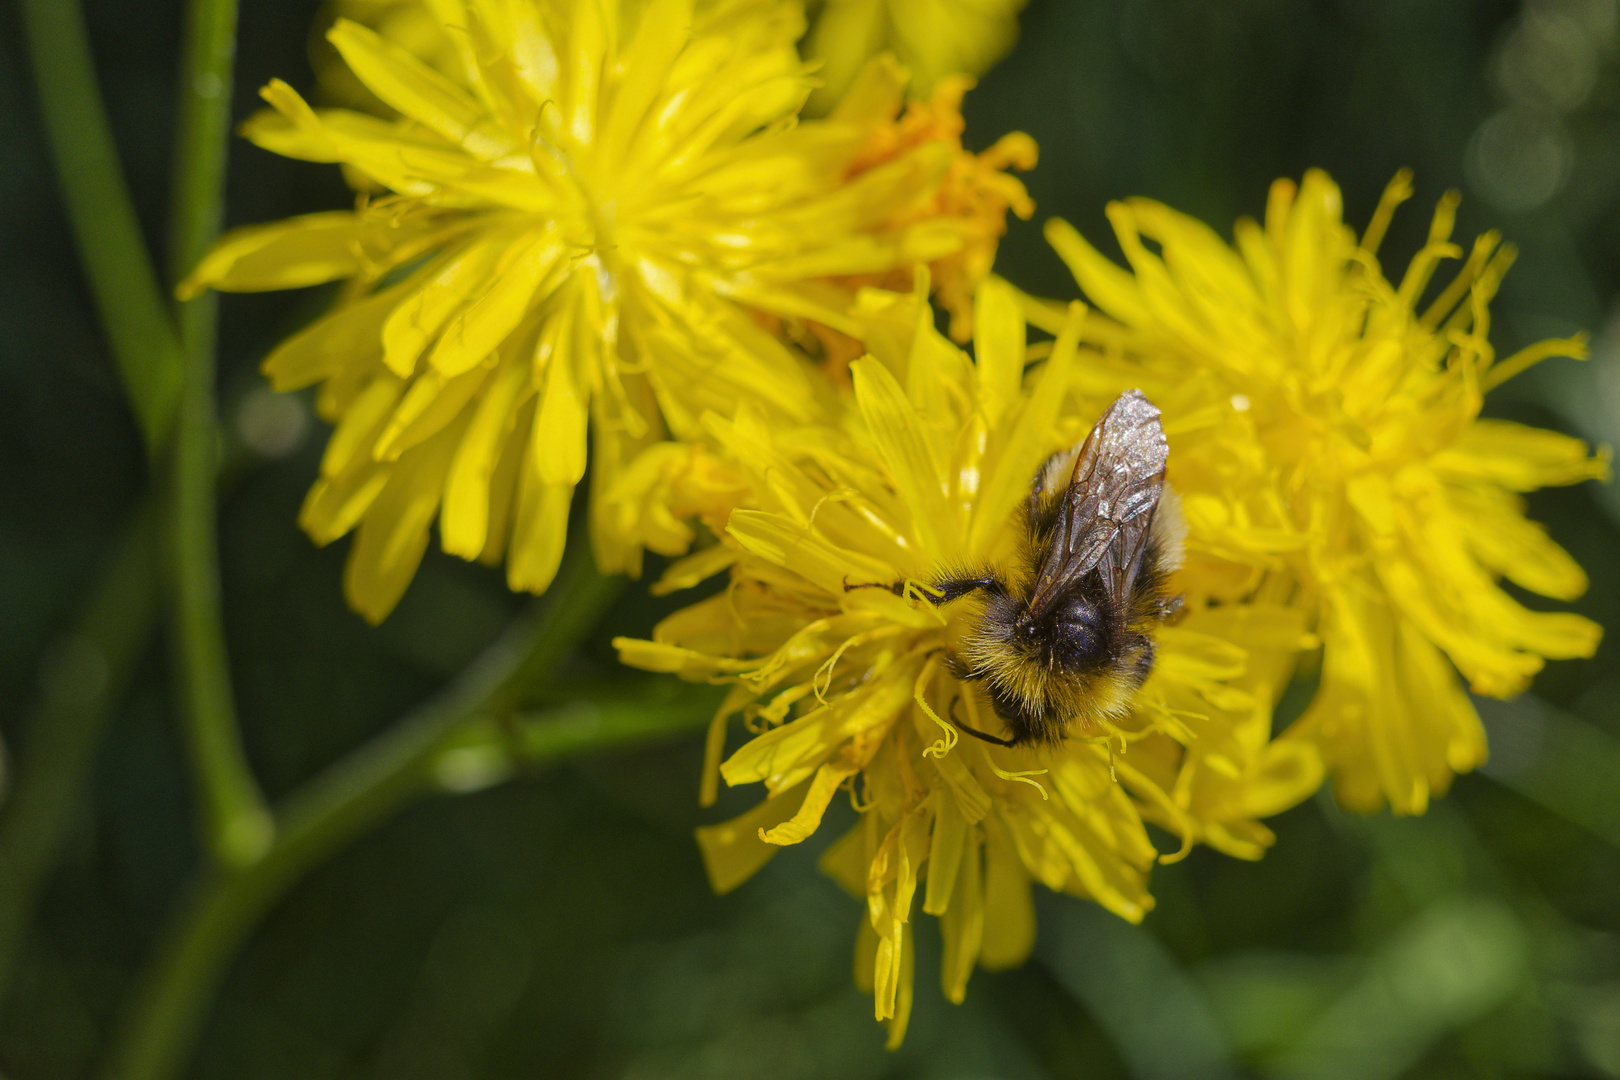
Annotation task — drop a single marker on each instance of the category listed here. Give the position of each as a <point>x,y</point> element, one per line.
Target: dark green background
<point>560,925</point>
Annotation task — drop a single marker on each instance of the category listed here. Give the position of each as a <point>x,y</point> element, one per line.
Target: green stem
<point>128,297</point>
<point>85,678</point>
<point>237,824</point>
<point>201,146</point>
<point>224,904</point>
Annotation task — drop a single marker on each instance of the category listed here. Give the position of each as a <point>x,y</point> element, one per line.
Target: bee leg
<point>975,732</point>
<point>1142,667</point>
<point>954,588</point>
<point>896,587</point>
<point>948,589</point>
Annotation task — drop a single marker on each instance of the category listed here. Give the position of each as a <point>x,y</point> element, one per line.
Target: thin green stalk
<point>197,208</point>
<point>223,904</point>
<point>84,679</point>
<point>222,907</point>
<point>128,297</point>
<point>237,824</point>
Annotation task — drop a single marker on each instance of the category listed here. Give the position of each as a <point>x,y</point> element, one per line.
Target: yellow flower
<point>934,38</point>
<point>850,688</point>
<point>1335,447</point>
<point>974,197</point>
<point>576,230</point>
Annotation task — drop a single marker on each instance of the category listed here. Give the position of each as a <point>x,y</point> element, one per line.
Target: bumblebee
<point>1066,640</point>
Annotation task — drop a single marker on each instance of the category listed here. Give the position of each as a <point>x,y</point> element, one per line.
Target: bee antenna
<point>975,732</point>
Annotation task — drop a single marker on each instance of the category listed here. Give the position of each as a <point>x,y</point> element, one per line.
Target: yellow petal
<point>970,798</point>
<point>560,426</point>
<point>1557,635</point>
<point>1491,664</point>
<point>733,852</point>
<point>786,750</point>
<point>904,991</point>
<point>866,947</point>
<point>503,488</point>
<point>1519,458</point>
<point>1107,286</point>
<point>793,547</point>
<point>455,282</point>
<point>465,519</point>
<point>672,659</point>
<point>945,854</point>
<point>1453,738</point>
<point>361,424</point>
<point>660,37</point>
<point>538,533</point>
<point>368,143</point>
<point>1241,839</point>
<point>1009,909</point>
<point>335,505</point>
<point>1370,494</point>
<point>1361,701</point>
<point>845,861</point>
<point>478,329</point>
<point>1256,625</point>
<point>1186,655</point>
<point>877,91</point>
<point>351,335</point>
<point>1213,276</point>
<point>588,39</point>
<point>394,532</point>
<point>1030,438</point>
<point>695,569</point>
<point>408,161</point>
<point>714,743</point>
<point>961,924</point>
<point>891,991</point>
<point>403,81</point>
<point>291,254</point>
<point>998,348</point>
<point>843,36</point>
<point>803,824</point>
<point>1287,773</point>
<point>1520,550</point>
<point>430,403</point>
<point>896,431</point>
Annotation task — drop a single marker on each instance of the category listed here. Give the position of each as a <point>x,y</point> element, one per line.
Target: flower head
<point>934,38</point>
<point>853,688</point>
<point>568,239</point>
<point>974,197</point>
<point>1335,448</point>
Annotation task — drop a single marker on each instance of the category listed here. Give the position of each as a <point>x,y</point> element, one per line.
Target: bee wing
<point>1107,510</point>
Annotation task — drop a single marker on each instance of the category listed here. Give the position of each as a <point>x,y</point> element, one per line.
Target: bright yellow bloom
<point>974,197</point>
<point>850,688</point>
<point>933,38</point>
<point>577,229</point>
<point>1334,445</point>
